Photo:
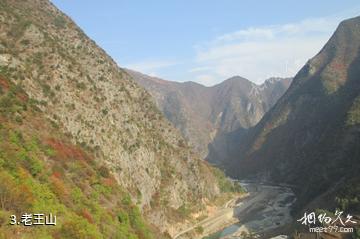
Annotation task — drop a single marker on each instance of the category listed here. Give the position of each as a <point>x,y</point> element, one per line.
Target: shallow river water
<point>266,208</point>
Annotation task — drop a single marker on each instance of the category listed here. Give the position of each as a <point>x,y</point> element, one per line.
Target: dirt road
<point>222,218</point>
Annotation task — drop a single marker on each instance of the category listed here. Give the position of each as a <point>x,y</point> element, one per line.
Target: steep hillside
<point>209,116</point>
<point>311,137</point>
<point>84,94</point>
<point>41,171</point>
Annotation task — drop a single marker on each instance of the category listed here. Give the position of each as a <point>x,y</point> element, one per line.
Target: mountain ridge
<point>207,115</point>
<point>310,138</point>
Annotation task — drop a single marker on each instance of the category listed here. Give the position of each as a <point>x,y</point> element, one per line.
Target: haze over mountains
<point>209,116</point>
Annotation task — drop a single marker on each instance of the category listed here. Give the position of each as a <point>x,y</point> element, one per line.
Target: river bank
<point>266,208</point>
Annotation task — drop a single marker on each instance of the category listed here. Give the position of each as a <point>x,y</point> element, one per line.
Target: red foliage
<point>4,83</point>
<point>109,182</point>
<point>65,151</point>
<point>59,188</point>
<point>338,66</point>
<point>57,174</point>
<point>22,97</point>
<point>87,215</point>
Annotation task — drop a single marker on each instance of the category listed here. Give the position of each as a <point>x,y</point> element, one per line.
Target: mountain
<point>209,116</point>
<point>310,139</point>
<point>42,171</point>
<point>80,136</point>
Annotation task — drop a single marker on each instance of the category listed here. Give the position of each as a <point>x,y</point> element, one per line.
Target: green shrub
<point>13,197</point>
<point>78,228</point>
<point>354,113</point>
<point>104,171</point>
<point>225,184</point>
<point>105,112</point>
<point>81,85</point>
<point>199,229</point>
<point>123,217</point>
<point>60,22</point>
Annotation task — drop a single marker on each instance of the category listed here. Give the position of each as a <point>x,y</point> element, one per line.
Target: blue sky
<point>208,41</point>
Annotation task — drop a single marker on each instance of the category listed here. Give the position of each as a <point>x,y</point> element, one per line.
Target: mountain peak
<point>351,22</point>
<point>333,62</point>
<point>273,79</point>
<point>204,113</point>
<point>236,80</point>
<point>347,32</point>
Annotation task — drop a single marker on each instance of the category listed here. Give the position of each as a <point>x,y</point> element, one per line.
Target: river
<point>266,208</point>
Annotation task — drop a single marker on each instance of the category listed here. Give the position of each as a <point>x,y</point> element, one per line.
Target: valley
<point>265,210</point>
<point>119,154</point>
<point>261,211</point>
<point>308,138</point>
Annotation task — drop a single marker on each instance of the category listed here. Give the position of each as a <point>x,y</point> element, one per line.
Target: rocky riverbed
<point>265,209</point>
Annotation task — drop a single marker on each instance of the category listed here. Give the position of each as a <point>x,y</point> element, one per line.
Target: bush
<point>46,89</point>
<point>138,224</point>
<point>105,111</point>
<point>184,211</point>
<point>60,22</point>
<point>123,217</point>
<point>199,230</point>
<point>14,197</point>
<point>104,171</point>
<point>78,228</point>
<point>225,184</point>
<point>126,200</point>
<point>81,85</point>
<point>34,166</point>
<point>356,234</point>
<point>353,117</point>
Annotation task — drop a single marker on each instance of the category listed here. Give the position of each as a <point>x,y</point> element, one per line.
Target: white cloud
<point>250,33</point>
<point>258,53</point>
<point>150,67</point>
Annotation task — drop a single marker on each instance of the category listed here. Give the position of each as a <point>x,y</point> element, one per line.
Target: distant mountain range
<point>209,116</point>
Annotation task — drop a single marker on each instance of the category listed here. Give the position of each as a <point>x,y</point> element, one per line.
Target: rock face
<point>311,137</point>
<point>210,118</point>
<point>81,90</point>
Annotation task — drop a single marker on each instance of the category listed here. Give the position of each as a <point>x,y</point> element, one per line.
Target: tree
<point>13,196</point>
